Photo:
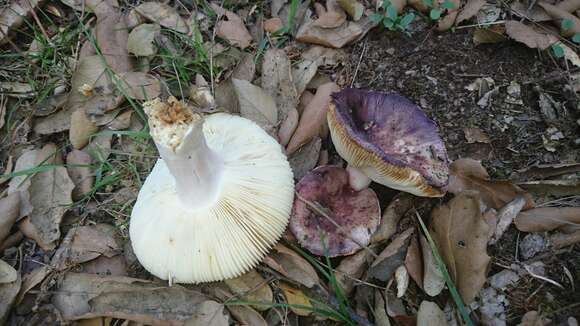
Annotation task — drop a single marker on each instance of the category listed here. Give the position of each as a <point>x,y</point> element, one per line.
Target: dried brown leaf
<point>20,184</point>
<point>447,21</point>
<point>505,217</point>
<point>141,40</point>
<point>400,204</point>
<point>302,74</point>
<point>111,35</point>
<point>256,104</point>
<point>295,297</point>
<point>533,318</point>
<point>353,8</point>
<point>32,279</point>
<point>430,314</point>
<point>336,37</point>
<point>469,174</point>
<point>288,126</point>
<point>209,313</point>
<point>535,13</point>
<point>352,268</point>
<point>85,243</point>
<point>493,34</point>
<point>81,129</point>
<point>391,257</point>
<point>469,10</point>
<point>380,311</point>
<point>277,81</point>
<point>141,86</point>
<point>31,231</point>
<point>8,293</point>
<point>548,218</point>
<point>7,273</point>
<point>433,281</point>
<point>247,316</point>
<point>402,280</point>
<point>122,121</point>
<point>313,120</point>
<point>50,196</point>
<point>233,30</point>
<point>559,240</point>
<point>81,296</point>
<point>323,56</point>
<point>163,15</point>
<point>293,266</point>
<point>556,188</point>
<point>475,135</point>
<point>461,235</point>
<point>528,35</point>
<point>305,159</point>
<point>251,286</point>
<point>569,5</point>
<point>103,265</point>
<point>9,213</point>
<point>414,262</point>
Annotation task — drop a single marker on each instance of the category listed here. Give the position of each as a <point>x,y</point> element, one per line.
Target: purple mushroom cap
<point>357,213</point>
<point>390,139</point>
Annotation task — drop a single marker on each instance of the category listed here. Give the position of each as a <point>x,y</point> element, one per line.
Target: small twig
<point>33,12</point>
<point>498,22</point>
<point>315,207</point>
<point>543,278</point>
<point>362,53</point>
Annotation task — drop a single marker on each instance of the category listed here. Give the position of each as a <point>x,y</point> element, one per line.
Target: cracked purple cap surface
<point>390,139</point>
<point>325,191</point>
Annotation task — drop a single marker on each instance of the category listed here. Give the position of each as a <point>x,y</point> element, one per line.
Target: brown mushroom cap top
<point>390,139</point>
<point>357,213</point>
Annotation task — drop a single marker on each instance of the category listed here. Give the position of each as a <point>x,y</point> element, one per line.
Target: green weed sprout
<point>391,20</point>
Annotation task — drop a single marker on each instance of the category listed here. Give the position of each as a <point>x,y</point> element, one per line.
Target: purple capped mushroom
<point>388,139</point>
<point>326,205</point>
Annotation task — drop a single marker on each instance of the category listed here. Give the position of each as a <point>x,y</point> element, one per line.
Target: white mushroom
<point>216,201</point>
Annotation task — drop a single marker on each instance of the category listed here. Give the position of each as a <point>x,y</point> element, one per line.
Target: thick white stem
<point>357,179</point>
<point>196,168</point>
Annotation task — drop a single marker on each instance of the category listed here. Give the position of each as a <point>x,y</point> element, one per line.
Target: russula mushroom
<point>388,139</point>
<point>216,201</point>
<point>326,205</point>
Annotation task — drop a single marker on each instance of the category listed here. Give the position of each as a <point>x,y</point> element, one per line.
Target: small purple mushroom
<point>326,205</point>
<point>388,139</point>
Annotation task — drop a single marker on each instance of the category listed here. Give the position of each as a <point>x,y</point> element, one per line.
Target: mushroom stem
<point>357,179</point>
<point>178,135</point>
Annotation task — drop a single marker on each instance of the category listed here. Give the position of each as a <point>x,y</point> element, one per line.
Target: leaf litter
<point>288,98</point>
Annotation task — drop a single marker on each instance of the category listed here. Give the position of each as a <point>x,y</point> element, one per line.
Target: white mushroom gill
<point>217,200</point>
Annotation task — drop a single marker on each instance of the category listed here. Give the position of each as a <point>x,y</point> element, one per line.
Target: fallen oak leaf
<point>336,37</point>
<point>505,217</point>
<point>81,129</point>
<point>20,184</point>
<point>461,236</point>
<point>140,86</point>
<point>292,265</point>
<point>433,281</point>
<point>391,257</point>
<point>400,204</point>
<point>430,314</point>
<point>256,104</point>
<point>469,174</point>
<point>547,218</point>
<point>295,297</point>
<point>252,287</point>
<point>209,313</point>
<point>277,80</point>
<point>414,262</point>
<point>305,159</point>
<point>141,40</point>
<point>352,268</point>
<point>30,231</point>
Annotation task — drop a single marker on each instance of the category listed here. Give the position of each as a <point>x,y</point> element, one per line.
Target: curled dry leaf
<point>529,36</point>
<point>313,120</point>
<point>332,37</point>
<point>393,213</point>
<point>505,217</point>
<point>288,127</point>
<point>9,213</point>
<point>252,287</point>
<point>469,174</point>
<point>353,8</point>
<point>20,184</point>
<point>391,257</point>
<point>232,30</point>
<point>256,104</point>
<point>414,262</point>
<point>293,266</point>
<point>469,10</point>
<point>547,218</point>
<point>430,314</point>
<point>323,56</point>
<point>461,235</point>
<point>557,188</point>
<point>535,13</point>
<point>295,297</point>
<point>81,296</point>
<point>305,99</point>
<point>81,129</point>
<point>141,86</point>
<point>141,40</point>
<point>304,160</point>
<point>352,268</point>
<point>163,15</point>
<point>30,231</point>
<point>122,121</point>
<point>103,265</point>
<point>561,240</point>
<point>433,281</point>
<point>380,312</point>
<point>475,135</point>
<point>303,73</point>
<point>32,279</point>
